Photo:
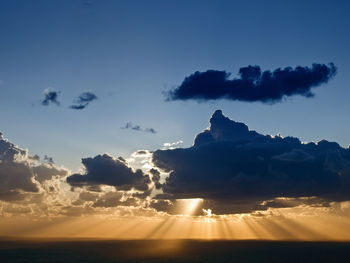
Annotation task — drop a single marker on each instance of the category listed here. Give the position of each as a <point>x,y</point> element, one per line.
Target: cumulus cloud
<point>15,175</point>
<point>253,84</point>
<point>133,127</point>
<point>36,187</point>
<point>107,170</point>
<point>236,169</point>
<point>45,172</point>
<point>83,100</point>
<point>21,174</point>
<point>50,96</point>
<point>229,169</point>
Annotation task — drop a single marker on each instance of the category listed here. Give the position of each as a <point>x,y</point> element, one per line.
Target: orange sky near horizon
<point>303,223</point>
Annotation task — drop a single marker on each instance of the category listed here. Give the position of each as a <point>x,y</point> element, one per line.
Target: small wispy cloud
<point>131,126</point>
<point>83,100</point>
<point>50,96</point>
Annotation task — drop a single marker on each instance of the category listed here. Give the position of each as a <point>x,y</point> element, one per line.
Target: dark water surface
<point>93,250</point>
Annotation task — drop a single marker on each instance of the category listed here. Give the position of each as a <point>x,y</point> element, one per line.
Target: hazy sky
<point>129,52</point>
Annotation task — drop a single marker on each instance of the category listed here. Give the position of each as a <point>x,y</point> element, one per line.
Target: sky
<point>85,82</point>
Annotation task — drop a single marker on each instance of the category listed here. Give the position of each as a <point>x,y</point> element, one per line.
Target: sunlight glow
<point>190,205</point>
<point>207,212</point>
<point>283,224</point>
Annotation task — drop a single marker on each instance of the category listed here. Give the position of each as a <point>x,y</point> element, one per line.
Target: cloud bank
<point>253,84</point>
<point>229,169</point>
<point>235,169</point>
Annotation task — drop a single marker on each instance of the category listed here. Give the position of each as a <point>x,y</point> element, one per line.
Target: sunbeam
<point>189,205</point>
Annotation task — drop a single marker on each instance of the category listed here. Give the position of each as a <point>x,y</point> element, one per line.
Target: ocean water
<point>94,250</point>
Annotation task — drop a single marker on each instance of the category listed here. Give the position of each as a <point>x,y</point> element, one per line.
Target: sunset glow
<point>174,131</point>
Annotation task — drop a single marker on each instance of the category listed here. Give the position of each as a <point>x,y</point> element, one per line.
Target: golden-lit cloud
<point>139,197</point>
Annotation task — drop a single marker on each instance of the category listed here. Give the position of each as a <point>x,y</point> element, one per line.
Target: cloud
<point>114,199</point>
<point>178,206</point>
<point>172,145</point>
<point>253,84</point>
<point>48,159</point>
<point>36,188</point>
<point>131,126</point>
<point>44,172</point>
<point>141,152</point>
<point>107,170</point>
<point>83,100</point>
<point>21,174</point>
<point>219,170</point>
<point>231,166</point>
<point>50,96</point>
<point>156,178</point>
<point>15,175</point>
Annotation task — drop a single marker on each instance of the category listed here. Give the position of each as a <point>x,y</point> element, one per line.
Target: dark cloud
<point>156,178</point>
<point>44,172</point>
<point>131,126</point>
<point>253,84</point>
<point>83,100</point>
<point>106,170</point>
<point>50,96</point>
<point>163,205</point>
<point>178,206</point>
<point>12,196</point>
<point>16,176</point>
<point>229,165</point>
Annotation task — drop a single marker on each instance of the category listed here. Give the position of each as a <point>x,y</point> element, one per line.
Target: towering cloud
<point>230,164</point>
<point>253,84</point>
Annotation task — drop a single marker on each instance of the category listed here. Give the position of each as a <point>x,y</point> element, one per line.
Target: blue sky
<point>129,52</point>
